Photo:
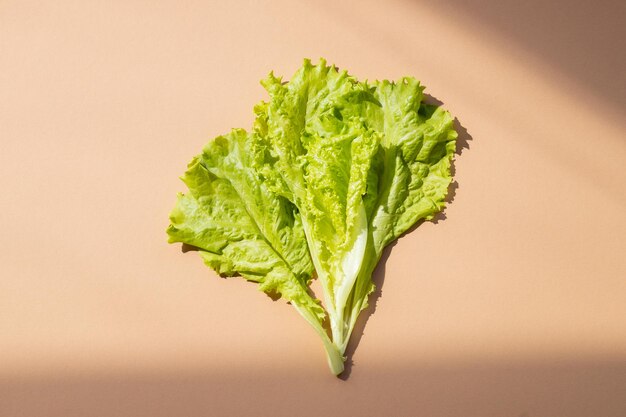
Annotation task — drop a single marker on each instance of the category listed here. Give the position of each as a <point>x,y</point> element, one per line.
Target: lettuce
<point>240,227</point>
<point>332,172</point>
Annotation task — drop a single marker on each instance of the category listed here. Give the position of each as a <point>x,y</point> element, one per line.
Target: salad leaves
<point>333,171</point>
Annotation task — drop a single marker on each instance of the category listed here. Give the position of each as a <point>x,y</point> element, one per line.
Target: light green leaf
<point>363,163</point>
<point>418,145</point>
<point>333,171</point>
<point>323,152</point>
<point>241,227</point>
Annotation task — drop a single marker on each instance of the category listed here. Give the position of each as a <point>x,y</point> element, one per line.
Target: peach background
<point>513,305</point>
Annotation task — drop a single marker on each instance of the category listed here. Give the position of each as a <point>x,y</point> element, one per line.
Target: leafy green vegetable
<point>240,227</point>
<point>332,172</point>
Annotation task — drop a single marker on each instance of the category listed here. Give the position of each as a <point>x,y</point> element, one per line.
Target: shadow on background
<point>584,41</point>
<point>577,48</point>
<point>532,388</point>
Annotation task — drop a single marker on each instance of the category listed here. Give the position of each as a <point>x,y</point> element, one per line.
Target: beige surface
<point>513,305</point>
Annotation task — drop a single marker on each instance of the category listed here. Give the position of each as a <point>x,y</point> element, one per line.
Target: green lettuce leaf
<point>418,145</point>
<point>323,152</point>
<point>241,227</point>
<point>333,171</point>
<point>363,163</point>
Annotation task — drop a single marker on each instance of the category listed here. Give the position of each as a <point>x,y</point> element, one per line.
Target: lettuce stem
<point>333,354</point>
